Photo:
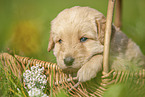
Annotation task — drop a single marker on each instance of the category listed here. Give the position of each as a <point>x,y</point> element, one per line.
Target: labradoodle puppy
<point>77,36</point>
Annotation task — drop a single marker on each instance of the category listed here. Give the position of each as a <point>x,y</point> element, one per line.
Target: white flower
<point>44,82</point>
<point>32,68</point>
<point>27,71</point>
<point>37,65</point>
<point>29,86</point>
<point>43,68</point>
<point>38,74</point>
<point>42,87</point>
<point>44,95</point>
<point>35,80</point>
<point>24,74</point>
<point>35,92</point>
<point>32,73</point>
<point>44,76</point>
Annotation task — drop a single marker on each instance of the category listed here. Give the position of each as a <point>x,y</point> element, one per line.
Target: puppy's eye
<point>60,41</point>
<point>83,39</point>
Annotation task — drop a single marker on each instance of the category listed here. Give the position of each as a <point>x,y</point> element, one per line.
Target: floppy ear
<point>51,43</point>
<point>101,25</point>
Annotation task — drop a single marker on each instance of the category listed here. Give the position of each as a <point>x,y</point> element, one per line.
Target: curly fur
<point>72,24</point>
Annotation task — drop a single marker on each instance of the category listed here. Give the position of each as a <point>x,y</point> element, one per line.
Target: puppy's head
<point>77,34</point>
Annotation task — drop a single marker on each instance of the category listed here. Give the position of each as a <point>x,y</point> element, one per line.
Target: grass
<point>124,90</point>
<point>10,85</point>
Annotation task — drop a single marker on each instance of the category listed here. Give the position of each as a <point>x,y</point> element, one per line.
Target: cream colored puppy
<point>77,36</point>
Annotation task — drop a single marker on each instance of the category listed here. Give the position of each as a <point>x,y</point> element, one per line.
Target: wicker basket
<point>94,87</point>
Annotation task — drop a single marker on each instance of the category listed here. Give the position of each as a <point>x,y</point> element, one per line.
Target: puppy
<point>77,37</point>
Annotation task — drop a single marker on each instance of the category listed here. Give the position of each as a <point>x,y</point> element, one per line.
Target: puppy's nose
<point>68,61</point>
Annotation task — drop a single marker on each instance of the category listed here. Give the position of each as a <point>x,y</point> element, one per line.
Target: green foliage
<point>61,93</point>
<point>25,25</point>
<point>127,89</point>
<point>10,85</point>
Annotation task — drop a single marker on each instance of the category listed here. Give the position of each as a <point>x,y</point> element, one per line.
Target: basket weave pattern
<point>69,83</point>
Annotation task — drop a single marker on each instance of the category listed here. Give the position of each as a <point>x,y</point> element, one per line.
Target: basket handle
<point>108,28</point>
<point>118,14</point>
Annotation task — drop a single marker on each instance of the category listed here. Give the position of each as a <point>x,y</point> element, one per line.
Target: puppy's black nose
<point>68,61</point>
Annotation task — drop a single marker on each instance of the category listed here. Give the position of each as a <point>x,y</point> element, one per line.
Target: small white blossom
<point>35,81</point>
<point>42,87</point>
<point>44,95</point>
<point>35,92</point>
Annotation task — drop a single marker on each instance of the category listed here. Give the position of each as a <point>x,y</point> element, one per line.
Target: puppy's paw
<point>86,73</point>
<point>90,69</point>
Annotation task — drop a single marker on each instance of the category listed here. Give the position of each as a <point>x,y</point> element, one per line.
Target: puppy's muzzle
<point>68,61</point>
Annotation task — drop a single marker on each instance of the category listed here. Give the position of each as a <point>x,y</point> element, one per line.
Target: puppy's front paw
<point>86,73</point>
<point>90,69</point>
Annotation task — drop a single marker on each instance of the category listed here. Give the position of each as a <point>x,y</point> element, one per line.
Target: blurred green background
<point>25,24</point>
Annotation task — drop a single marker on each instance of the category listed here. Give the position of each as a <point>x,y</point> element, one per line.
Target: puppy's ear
<point>101,25</point>
<point>51,43</point>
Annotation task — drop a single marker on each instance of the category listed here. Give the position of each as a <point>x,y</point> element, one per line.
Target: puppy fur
<point>67,31</point>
